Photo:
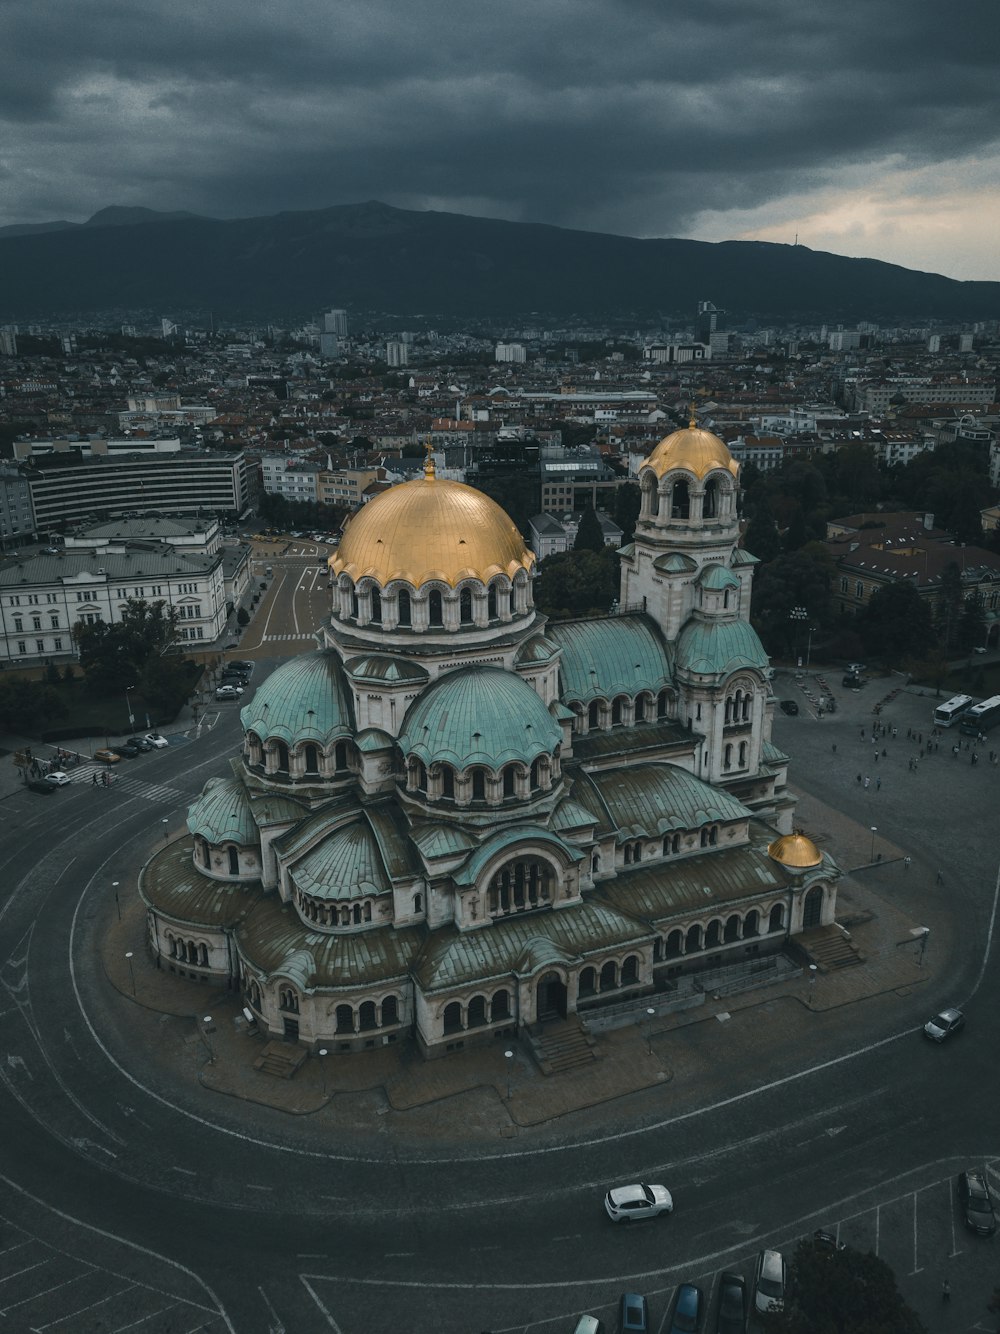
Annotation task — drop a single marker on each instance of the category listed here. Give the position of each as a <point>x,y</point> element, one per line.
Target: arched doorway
<point>551,998</point>
<point>812,909</point>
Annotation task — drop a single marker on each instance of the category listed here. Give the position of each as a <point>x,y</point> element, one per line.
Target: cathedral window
<point>776,921</point>
<point>751,923</point>
<point>671,844</point>
<point>663,704</point>
<point>311,755</point>
<point>744,751</point>
<point>280,753</point>
<point>709,836</point>
<point>479,785</point>
<point>344,1019</point>
<point>639,709</point>
<point>713,936</point>
<point>354,603</point>
<point>448,782</point>
<point>630,971</point>
<point>692,942</point>
<point>710,503</point>
<point>491,603</point>
<point>509,777</point>
<point>680,501</point>
<point>536,775</point>
<point>477,1012</point>
<point>435,609</point>
<point>234,861</point>
<point>673,944</point>
<point>588,982</point>
<point>340,756</point>
<point>465,606</point>
<point>616,712</point>
<point>390,1011</point>
<point>418,903</point>
<point>727,758</point>
<point>519,886</point>
<point>609,976</point>
<point>452,1017</point>
<point>367,1016</point>
<point>500,1006</point>
<point>594,715</point>
<point>376,602</point>
<point>403,607</point>
<point>288,1000</point>
<point>418,776</point>
<point>732,931</point>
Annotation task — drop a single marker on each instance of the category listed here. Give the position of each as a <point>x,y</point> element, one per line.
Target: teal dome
<point>719,647</point>
<point>305,700</point>
<point>346,865</point>
<point>481,715</point>
<point>222,813</point>
<point>717,577</point>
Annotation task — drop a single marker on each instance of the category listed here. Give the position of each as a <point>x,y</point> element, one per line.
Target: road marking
<point>27,1269</point>
<point>319,1305</point>
<point>36,1329</point>
<point>142,1319</point>
<point>88,1270</point>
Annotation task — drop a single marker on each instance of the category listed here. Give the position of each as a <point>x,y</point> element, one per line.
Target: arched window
<point>435,608</point>
<point>732,931</point>
<point>588,982</point>
<point>727,761</point>
<point>500,1006</point>
<point>747,703</point>
<point>751,923</point>
<point>663,704</point>
<point>654,500</point>
<point>673,944</point>
<point>390,1011</point>
<point>234,862</point>
<point>713,936</point>
<point>465,606</point>
<point>680,501</point>
<point>536,775</point>
<point>403,607</point>
<point>630,971</point>
<point>311,758</point>
<point>519,886</point>
<point>594,714</point>
<point>376,597</point>
<point>453,1017</point>
<point>418,774</point>
<point>418,903</point>
<point>776,921</point>
<point>280,757</point>
<point>288,1000</point>
<point>354,603</point>
<point>448,782</point>
<point>509,776</point>
<point>340,756</point>
<point>639,709</point>
<point>609,976</point>
<point>491,603</point>
<point>671,844</point>
<point>477,1012</point>
<point>692,942</point>
<point>367,1016</point>
<point>709,836</point>
<point>744,750</point>
<point>479,785</point>
<point>616,713</point>
<point>344,1019</point>
<point>710,504</point>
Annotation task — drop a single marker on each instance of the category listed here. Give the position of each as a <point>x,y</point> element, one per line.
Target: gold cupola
<point>795,851</point>
<point>430,529</point>
<point>693,450</point>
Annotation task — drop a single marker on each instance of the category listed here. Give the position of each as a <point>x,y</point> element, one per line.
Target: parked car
<point>623,1203</point>
<point>57,779</point>
<point>589,1324</point>
<point>769,1281</point>
<point>243,666</point>
<point>732,1313</point>
<point>851,682</point>
<point>634,1318</point>
<point>229,692</point>
<point>977,1203</point>
<point>687,1310</point>
<point>107,756</point>
<point>827,1241</point>
<point>155,740</point>
<point>40,786</point>
<point>944,1024</point>
<point>127,751</point>
<point>789,706</point>
<point>140,743</point>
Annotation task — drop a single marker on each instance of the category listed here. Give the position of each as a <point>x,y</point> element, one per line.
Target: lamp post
<point>650,1015</point>
<point>923,946</point>
<point>128,955</point>
<point>128,708</point>
<point>813,970</point>
<point>874,832</point>
<point>164,822</point>
<point>322,1065</point>
<point>510,1065</point>
<point>118,902</point>
<point>800,614</point>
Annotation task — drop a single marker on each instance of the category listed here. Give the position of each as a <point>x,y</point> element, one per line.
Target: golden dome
<point>694,450</point>
<point>795,851</point>
<point>430,529</point>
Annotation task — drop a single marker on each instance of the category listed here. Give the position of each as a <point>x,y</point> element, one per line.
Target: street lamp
<point>164,822</point>
<point>925,933</point>
<point>128,708</point>
<point>812,984</point>
<point>118,902</point>
<point>874,832</point>
<point>322,1065</point>
<point>128,955</point>
<point>800,614</point>
<point>651,1015</point>
<point>510,1065</point>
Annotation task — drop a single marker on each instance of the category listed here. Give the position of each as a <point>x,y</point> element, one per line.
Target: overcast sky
<point>867,127</point>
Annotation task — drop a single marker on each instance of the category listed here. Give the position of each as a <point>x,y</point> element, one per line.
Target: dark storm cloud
<point>627,115</point>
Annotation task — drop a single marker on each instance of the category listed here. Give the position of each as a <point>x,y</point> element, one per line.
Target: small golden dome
<point>795,851</point>
<point>430,529</point>
<point>693,449</point>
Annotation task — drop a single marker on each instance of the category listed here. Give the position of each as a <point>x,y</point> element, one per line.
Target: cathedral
<point>455,820</point>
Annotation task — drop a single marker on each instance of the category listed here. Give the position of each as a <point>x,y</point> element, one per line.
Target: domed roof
<point>693,450</point>
<point>431,529</point>
<point>222,813</point>
<point>717,647</point>
<point>304,700</point>
<point>480,715</point>
<point>795,851</point>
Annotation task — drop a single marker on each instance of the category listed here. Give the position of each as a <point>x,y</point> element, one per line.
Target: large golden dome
<point>694,450</point>
<point>795,851</point>
<point>430,529</point>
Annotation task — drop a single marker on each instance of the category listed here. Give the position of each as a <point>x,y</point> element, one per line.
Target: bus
<point>981,717</point>
<point>950,712</point>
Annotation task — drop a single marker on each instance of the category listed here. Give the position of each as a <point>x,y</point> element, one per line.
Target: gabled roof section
<point>511,840</point>
<point>609,656</point>
<point>715,576</point>
<point>344,866</point>
<point>713,647</point>
<point>649,800</point>
<point>381,667</point>
<point>674,562</point>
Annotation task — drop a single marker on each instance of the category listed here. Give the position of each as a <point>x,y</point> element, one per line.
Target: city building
<point>397,353</point>
<point>510,352</point>
<point>455,821</point>
<point>17,518</point>
<point>552,534</point>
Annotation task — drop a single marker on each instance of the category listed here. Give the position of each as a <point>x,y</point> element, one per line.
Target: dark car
<point>242,666</point>
<point>851,682</point>
<point>139,742</point>
<point>687,1310</point>
<point>827,1241</point>
<point>977,1204</point>
<point>732,1314</point>
<point>634,1317</point>
<point>40,786</point>
<point>127,750</point>
<point>789,706</point>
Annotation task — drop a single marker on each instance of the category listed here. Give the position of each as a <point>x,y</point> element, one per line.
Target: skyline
<point>869,130</point>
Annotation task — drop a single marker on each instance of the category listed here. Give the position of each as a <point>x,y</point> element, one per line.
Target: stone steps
<point>280,1059</point>
<point>564,1046</point>
<point>830,948</point>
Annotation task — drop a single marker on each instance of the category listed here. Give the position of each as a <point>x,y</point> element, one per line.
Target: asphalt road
<point>132,1201</point>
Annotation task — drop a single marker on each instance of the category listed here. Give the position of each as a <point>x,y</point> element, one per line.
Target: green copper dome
<point>717,647</point>
<point>222,813</point>
<point>481,715</point>
<point>305,700</point>
<point>345,866</point>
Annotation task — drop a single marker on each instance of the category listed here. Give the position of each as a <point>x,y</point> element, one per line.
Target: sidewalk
<point>676,1062</point>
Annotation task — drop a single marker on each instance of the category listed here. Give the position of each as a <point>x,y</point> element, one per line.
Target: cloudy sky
<point>867,127</point>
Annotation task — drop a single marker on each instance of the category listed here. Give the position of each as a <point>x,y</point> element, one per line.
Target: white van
<point>589,1324</point>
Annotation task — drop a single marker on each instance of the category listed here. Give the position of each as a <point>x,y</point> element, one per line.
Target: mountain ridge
<point>375,257</point>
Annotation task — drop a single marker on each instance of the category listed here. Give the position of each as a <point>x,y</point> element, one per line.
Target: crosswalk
<point>120,780</point>
<point>273,639</point>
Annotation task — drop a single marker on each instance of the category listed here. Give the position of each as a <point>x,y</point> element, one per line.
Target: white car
<point>769,1281</point>
<point>624,1203</point>
<point>57,779</point>
<point>229,692</point>
<point>156,740</point>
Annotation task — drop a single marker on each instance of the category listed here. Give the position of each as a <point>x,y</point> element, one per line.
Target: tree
<point>243,617</point>
<point>115,655</point>
<point>801,579</point>
<point>628,502</point>
<point>972,623</point>
<point>761,538</point>
<point>576,583</point>
<point>589,535</point>
<point>897,624</point>
<point>29,706</point>
<point>950,600</point>
<point>841,1292</point>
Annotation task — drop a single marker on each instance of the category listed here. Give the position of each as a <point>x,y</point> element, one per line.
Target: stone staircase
<point>561,1046</point>
<point>829,948</point>
<point>281,1059</point>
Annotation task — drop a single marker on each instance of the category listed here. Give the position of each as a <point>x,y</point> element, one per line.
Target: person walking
<point>93,779</point>
<point>868,782</point>
<point>946,1291</point>
<point>878,783</point>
